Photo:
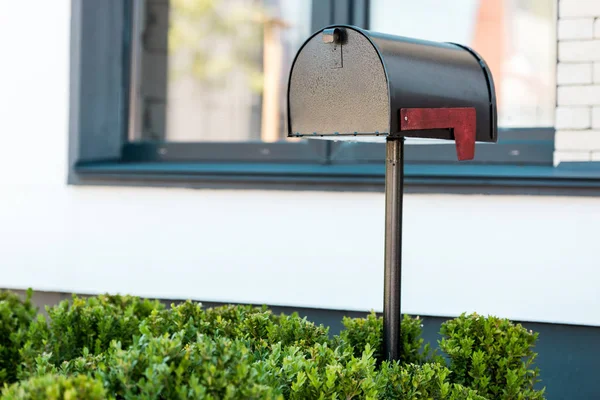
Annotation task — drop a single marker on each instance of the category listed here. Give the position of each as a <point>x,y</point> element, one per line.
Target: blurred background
<point>144,152</point>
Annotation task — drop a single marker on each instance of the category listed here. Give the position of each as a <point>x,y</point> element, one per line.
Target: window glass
<point>517,38</point>
<point>214,70</point>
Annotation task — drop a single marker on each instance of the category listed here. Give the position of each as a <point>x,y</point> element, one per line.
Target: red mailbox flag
<point>462,121</point>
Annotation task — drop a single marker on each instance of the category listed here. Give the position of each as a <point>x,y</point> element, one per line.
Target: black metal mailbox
<point>346,81</point>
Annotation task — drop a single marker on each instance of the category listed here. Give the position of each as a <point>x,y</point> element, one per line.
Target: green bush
<point>493,356</point>
<point>165,368</point>
<point>255,324</point>
<point>126,348</point>
<point>55,387</point>
<point>324,372</point>
<point>292,330</point>
<point>87,364</point>
<point>427,381</point>
<point>15,317</point>
<point>321,372</point>
<point>361,332</point>
<point>81,324</point>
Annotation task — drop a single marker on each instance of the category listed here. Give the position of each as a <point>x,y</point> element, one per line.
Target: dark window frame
<point>100,152</point>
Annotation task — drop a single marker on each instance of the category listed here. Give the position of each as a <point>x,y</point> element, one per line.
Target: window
<point>192,89</point>
<point>214,71</point>
<point>208,80</point>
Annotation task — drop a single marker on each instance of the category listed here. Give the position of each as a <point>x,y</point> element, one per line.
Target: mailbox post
<point>392,272</point>
<point>351,84</point>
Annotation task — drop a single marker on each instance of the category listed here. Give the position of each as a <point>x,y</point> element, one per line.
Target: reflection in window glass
<point>214,70</point>
<point>517,38</point>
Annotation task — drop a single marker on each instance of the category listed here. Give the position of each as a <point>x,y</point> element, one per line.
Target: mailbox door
<point>338,89</point>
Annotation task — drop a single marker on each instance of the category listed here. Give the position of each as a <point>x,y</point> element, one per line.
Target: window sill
<point>566,179</point>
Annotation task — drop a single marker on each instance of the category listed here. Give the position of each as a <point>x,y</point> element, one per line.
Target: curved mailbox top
<point>347,82</point>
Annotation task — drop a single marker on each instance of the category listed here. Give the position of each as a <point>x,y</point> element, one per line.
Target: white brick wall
<point>571,140</point>
<point>578,8</point>
<point>596,72</point>
<point>573,118</point>
<point>578,95</point>
<point>579,50</point>
<point>569,74</point>
<point>596,118</point>
<point>566,156</point>
<point>576,28</point>
<point>578,81</point>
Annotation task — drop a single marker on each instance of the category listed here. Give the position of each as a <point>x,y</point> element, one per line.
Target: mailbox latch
<point>333,38</point>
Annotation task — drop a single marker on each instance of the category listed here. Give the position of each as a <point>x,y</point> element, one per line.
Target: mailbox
<point>350,83</point>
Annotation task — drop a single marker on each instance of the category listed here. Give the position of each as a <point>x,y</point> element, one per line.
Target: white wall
<point>578,79</point>
<point>527,258</point>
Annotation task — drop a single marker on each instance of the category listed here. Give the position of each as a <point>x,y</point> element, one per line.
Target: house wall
<point>529,258</point>
<point>578,78</point>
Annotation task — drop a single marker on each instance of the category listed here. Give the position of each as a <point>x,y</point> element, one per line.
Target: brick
<point>579,95</point>
<point>596,72</point>
<point>577,140</point>
<point>570,74</point>
<point>579,8</point>
<point>566,156</point>
<point>597,28</point>
<point>575,28</point>
<point>596,118</point>
<point>573,118</point>
<point>580,50</point>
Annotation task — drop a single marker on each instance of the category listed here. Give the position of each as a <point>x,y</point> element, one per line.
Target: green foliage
<point>55,387</point>
<point>15,317</point>
<point>127,348</point>
<point>492,355</point>
<point>293,330</point>
<point>321,372</point>
<point>165,368</point>
<point>226,321</point>
<point>256,325</point>
<point>87,364</point>
<point>426,381</point>
<point>361,332</point>
<point>85,324</point>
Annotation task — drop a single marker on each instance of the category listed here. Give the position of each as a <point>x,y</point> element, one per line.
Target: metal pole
<point>394,183</point>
